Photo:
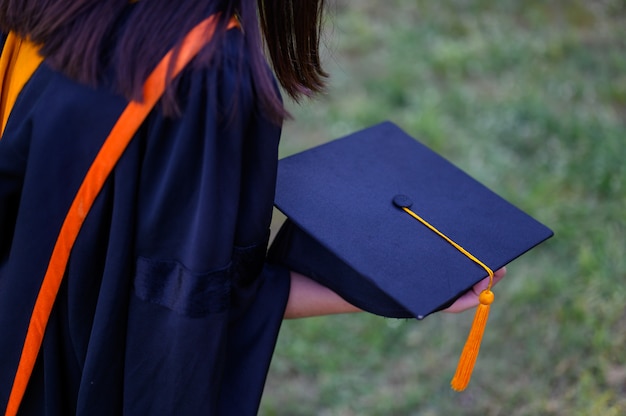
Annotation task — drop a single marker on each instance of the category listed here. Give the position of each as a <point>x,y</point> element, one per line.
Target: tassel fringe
<point>472,345</point>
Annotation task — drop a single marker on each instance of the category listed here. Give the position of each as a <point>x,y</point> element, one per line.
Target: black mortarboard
<point>346,228</point>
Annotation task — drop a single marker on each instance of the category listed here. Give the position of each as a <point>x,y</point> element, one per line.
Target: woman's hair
<point>79,37</point>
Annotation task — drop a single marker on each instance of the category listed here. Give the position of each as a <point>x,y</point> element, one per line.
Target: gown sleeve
<point>205,310</point>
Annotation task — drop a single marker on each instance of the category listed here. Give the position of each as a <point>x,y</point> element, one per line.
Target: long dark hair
<point>76,38</point>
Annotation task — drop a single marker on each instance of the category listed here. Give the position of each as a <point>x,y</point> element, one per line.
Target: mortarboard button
<point>402,201</point>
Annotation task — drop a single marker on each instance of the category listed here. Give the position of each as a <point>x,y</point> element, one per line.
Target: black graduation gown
<point>167,305</point>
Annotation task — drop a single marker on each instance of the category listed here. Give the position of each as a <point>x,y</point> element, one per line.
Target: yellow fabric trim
<point>19,60</point>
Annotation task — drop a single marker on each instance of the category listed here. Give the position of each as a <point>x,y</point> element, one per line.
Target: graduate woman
<point>165,304</point>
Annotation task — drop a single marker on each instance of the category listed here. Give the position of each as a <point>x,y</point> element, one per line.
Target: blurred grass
<point>529,98</point>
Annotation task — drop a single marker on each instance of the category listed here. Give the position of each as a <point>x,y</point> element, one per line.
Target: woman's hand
<point>470,298</point>
<point>309,298</point>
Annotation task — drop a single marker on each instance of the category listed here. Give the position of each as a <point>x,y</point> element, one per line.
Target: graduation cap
<point>393,227</point>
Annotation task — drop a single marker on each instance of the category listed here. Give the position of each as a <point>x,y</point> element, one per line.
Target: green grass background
<point>529,97</point>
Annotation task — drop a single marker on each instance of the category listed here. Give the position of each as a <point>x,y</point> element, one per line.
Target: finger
<point>467,301</point>
<point>499,275</point>
<point>484,284</point>
<point>470,299</point>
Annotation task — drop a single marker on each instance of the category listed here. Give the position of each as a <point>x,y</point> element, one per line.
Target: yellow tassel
<point>472,345</point>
